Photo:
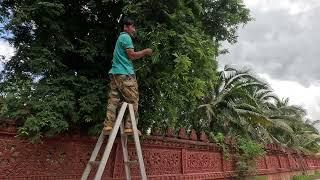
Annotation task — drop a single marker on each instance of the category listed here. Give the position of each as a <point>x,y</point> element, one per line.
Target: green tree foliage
<point>57,80</point>
<point>247,153</point>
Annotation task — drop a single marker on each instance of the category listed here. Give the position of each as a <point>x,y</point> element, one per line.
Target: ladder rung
<point>94,162</point>
<point>130,162</point>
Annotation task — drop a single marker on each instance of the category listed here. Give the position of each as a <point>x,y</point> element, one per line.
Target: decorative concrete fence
<point>166,157</point>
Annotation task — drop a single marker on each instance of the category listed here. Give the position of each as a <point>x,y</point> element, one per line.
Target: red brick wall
<point>165,158</point>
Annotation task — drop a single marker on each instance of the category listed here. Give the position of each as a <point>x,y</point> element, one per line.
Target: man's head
<point>128,26</point>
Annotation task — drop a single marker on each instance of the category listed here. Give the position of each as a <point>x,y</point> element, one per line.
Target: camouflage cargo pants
<point>122,88</point>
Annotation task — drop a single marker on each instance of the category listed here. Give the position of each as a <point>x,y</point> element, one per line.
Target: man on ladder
<point>123,84</point>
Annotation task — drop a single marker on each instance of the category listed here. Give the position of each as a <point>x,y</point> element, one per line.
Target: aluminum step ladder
<point>124,139</point>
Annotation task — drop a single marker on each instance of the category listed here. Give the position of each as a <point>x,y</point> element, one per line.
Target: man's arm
<point>139,54</point>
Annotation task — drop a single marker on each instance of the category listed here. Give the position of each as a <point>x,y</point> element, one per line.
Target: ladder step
<point>94,162</point>
<point>131,162</point>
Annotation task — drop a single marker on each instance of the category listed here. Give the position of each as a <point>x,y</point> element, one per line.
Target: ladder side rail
<point>124,144</point>
<point>93,157</point>
<point>111,139</point>
<point>137,143</point>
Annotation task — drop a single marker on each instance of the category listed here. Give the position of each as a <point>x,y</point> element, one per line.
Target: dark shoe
<point>129,131</point>
<point>107,130</point>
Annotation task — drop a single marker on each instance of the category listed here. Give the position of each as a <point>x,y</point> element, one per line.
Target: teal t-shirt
<point>121,64</point>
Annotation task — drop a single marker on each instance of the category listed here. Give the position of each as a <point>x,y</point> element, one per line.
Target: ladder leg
<point>124,143</point>
<point>93,157</point>
<point>111,139</point>
<point>137,143</point>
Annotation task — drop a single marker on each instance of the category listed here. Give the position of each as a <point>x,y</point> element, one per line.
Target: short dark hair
<point>127,21</point>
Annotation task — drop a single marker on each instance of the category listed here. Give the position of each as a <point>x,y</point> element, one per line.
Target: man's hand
<point>148,51</point>
<point>140,54</point>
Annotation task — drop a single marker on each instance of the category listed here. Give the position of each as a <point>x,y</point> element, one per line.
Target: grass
<point>307,177</point>
<point>260,178</point>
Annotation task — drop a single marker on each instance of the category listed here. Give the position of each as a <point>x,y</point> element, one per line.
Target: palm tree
<point>307,137</point>
<point>297,131</point>
<point>242,104</point>
<point>232,106</point>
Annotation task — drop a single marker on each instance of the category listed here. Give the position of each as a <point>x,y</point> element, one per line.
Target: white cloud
<point>282,45</point>
<point>6,49</point>
<point>291,6</point>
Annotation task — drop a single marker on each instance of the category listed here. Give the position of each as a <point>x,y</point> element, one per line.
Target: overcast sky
<point>282,46</point>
